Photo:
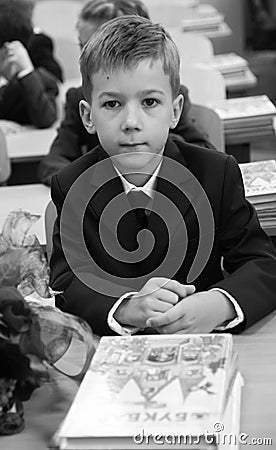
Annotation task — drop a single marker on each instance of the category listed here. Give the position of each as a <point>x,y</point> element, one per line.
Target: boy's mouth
<point>132,144</point>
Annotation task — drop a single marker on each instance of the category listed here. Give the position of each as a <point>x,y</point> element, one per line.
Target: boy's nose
<point>132,120</point>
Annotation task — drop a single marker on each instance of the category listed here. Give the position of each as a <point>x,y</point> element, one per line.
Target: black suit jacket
<point>31,100</point>
<point>73,140</point>
<point>41,51</point>
<point>247,253</point>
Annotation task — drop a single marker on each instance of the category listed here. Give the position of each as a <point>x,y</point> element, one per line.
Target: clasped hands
<point>14,58</point>
<point>171,307</point>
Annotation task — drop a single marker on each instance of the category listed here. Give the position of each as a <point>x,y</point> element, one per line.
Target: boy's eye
<point>111,104</point>
<point>150,102</point>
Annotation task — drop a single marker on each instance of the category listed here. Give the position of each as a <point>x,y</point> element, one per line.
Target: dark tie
<point>138,200</point>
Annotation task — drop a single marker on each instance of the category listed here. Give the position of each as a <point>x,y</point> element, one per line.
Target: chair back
<point>49,218</point>
<point>193,48</point>
<point>210,124</point>
<point>5,165</point>
<point>205,85</point>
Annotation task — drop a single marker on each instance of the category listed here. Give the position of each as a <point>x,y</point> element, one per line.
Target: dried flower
<point>29,331</point>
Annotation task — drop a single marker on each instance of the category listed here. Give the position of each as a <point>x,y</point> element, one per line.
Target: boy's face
<point>132,112</point>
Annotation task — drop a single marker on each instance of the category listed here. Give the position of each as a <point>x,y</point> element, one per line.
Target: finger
<point>180,289</point>
<point>171,315</point>
<point>167,296</point>
<point>156,307</point>
<point>160,294</point>
<point>161,307</point>
<point>154,314</point>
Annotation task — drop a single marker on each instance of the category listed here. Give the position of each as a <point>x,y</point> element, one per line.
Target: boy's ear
<point>86,116</point>
<point>177,105</point>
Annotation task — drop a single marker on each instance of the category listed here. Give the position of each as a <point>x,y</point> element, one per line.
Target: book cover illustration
<point>157,382</point>
<point>259,177</point>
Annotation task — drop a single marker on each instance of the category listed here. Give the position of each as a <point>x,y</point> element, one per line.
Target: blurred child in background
<point>29,84</point>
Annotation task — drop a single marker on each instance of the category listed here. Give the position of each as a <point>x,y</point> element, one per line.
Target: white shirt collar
<point>148,187</point>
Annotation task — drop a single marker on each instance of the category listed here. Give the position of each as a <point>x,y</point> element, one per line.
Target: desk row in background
<point>180,17</point>
<point>22,148</point>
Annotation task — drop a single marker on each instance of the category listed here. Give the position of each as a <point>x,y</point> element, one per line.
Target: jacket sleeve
<point>41,51</point>
<point>77,298</point>
<point>185,129</point>
<point>39,92</point>
<point>67,144</point>
<point>248,255</point>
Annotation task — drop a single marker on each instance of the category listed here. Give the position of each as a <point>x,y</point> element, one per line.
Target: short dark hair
<point>123,43</point>
<point>103,10</point>
<point>15,24</point>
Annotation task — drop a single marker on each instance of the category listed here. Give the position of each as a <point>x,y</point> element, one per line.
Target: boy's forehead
<point>144,75</point>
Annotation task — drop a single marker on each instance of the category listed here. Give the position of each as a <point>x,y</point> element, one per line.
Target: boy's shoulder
<point>210,167</point>
<point>201,157</point>
<point>68,175</point>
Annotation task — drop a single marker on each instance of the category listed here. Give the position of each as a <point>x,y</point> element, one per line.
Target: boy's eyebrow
<point>145,92</point>
<point>153,91</point>
<point>109,94</point>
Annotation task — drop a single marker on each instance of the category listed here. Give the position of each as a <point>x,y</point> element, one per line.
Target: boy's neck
<point>139,177</point>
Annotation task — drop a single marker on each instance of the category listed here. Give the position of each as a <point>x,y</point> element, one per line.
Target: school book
<point>229,63</point>
<point>259,178</point>
<point>237,112</point>
<point>224,436</point>
<point>234,70</point>
<point>202,18</point>
<point>154,385</point>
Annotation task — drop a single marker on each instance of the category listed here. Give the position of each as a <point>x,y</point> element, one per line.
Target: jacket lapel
<point>173,180</point>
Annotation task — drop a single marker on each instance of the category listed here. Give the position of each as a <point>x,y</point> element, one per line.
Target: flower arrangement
<point>33,335</point>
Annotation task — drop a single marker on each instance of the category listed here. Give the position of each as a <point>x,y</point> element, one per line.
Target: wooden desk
<point>26,146</point>
<point>241,147</point>
<point>240,83</point>
<point>30,144</point>
<point>257,363</point>
<point>30,197</point>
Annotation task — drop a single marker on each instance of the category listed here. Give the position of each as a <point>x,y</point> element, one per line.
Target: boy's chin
<point>135,160</point>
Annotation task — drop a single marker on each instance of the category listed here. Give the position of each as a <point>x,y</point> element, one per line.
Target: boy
<point>72,139</point>
<point>105,261</point>
<point>27,94</point>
